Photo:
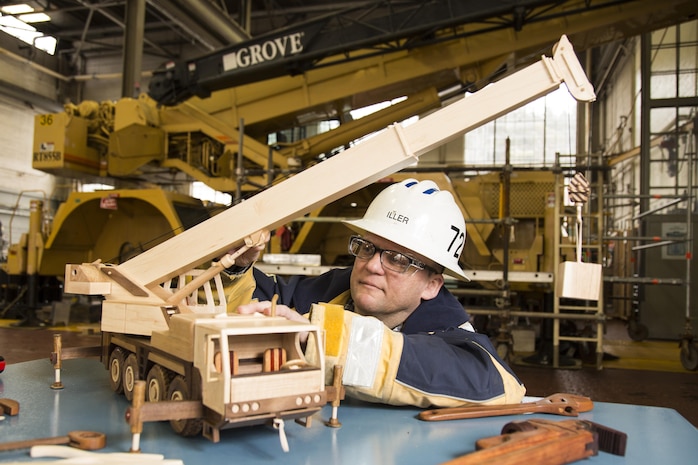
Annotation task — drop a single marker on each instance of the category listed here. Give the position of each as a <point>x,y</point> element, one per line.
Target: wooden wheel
<point>157,383</point>
<point>116,367</point>
<point>129,375</point>
<point>179,391</point>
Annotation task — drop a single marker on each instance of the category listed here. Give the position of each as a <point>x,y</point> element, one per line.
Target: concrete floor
<point>673,388</point>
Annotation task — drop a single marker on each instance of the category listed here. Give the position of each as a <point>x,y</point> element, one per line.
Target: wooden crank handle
<point>85,440</point>
<point>581,403</point>
<point>558,404</point>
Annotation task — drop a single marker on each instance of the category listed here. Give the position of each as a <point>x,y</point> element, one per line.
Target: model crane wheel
<point>179,391</point>
<point>116,368</point>
<point>130,375</point>
<point>157,383</point>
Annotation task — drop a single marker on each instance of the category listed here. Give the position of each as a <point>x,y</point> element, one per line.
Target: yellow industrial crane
<point>207,119</point>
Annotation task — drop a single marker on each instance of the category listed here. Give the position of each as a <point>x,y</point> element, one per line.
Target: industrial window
<point>537,132</point>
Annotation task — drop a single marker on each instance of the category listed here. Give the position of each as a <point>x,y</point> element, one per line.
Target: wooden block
<point>86,280</point>
<point>234,363</point>
<point>578,280</point>
<point>291,383</point>
<point>166,410</point>
<point>9,406</point>
<point>113,317</point>
<point>273,359</point>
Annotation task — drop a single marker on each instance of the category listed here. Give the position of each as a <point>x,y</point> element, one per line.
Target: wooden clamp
<point>337,395</point>
<point>133,416</point>
<point>59,354</point>
<point>141,411</point>
<point>57,361</point>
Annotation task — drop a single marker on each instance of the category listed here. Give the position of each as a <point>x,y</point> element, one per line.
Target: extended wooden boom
<point>387,152</point>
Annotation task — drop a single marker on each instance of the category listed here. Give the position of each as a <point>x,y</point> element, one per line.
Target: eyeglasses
<point>390,259</point>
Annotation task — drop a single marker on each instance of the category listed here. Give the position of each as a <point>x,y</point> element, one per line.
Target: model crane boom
<point>387,152</point>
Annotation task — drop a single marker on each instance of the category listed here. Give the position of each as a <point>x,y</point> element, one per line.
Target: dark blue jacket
<point>438,357</point>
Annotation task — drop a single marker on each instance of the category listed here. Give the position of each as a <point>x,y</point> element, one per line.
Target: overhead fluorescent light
<point>14,26</point>
<point>17,9</point>
<point>34,18</point>
<point>27,33</point>
<point>46,43</point>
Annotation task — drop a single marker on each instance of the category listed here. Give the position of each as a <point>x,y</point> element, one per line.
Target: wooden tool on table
<point>544,442</point>
<point>85,440</point>
<point>558,404</point>
<point>9,406</point>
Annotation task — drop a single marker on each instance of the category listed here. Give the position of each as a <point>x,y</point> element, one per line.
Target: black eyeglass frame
<point>418,265</point>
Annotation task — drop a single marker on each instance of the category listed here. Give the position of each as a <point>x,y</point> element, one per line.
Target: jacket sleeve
<point>298,292</point>
<point>446,368</point>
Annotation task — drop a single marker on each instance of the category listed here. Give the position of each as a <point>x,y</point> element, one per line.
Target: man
<point>401,336</point>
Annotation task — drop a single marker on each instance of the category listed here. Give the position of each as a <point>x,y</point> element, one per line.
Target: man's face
<point>388,295</point>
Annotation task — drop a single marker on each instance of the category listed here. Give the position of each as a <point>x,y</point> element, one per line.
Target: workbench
<point>370,433</point>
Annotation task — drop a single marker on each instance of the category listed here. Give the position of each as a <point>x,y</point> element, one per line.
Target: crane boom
<point>355,32</point>
<point>381,155</point>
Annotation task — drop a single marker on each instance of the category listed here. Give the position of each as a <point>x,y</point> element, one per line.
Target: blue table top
<point>370,433</point>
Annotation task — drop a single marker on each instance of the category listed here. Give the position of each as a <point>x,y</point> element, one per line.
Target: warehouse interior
<point>127,122</point>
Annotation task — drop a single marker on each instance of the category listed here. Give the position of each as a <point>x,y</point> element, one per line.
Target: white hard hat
<point>420,217</point>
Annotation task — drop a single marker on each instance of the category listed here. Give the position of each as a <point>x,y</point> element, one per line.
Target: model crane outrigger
<point>159,332</point>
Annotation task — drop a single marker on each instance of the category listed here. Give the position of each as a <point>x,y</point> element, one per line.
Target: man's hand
<point>281,310</point>
<point>265,309</point>
<point>249,256</point>
<point>249,252</point>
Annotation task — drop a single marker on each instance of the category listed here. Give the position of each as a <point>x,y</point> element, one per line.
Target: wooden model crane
<point>197,353</point>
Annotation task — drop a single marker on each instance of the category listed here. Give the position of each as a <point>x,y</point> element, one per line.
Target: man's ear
<point>434,283</point>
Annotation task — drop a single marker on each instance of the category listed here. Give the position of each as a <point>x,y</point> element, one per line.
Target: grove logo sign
<point>270,50</point>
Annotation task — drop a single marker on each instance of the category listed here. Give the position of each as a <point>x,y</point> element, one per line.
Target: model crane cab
<point>253,368</point>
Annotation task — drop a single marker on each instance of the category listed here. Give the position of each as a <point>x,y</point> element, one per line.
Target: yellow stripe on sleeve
<point>334,329</point>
